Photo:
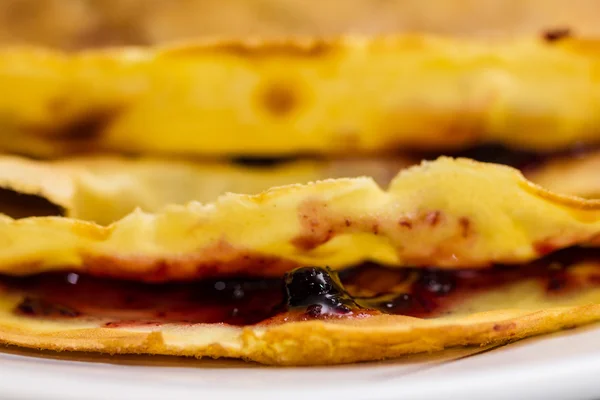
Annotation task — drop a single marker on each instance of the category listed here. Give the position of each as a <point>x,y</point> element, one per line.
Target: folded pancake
<point>283,97</point>
<point>205,279</point>
<point>448,213</point>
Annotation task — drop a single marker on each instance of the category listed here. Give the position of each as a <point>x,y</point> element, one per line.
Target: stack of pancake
<point>299,201</point>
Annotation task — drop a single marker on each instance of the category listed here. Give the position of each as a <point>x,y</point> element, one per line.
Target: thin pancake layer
<point>447,213</point>
<point>573,175</point>
<point>302,96</point>
<point>105,189</point>
<point>504,313</point>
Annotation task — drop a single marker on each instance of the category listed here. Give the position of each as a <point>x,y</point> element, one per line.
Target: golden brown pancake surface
<point>448,213</point>
<point>287,97</point>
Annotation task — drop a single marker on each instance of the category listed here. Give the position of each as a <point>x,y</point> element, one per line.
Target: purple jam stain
<point>304,293</point>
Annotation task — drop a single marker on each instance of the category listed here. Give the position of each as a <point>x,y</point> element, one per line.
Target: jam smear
<point>303,294</point>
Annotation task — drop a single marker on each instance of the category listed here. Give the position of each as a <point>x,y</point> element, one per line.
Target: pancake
<point>448,213</point>
<point>104,189</point>
<point>302,96</point>
<point>301,262</point>
<point>573,175</point>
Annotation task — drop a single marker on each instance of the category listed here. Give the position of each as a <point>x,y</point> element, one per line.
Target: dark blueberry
<point>310,286</point>
<point>437,282</point>
<point>307,282</point>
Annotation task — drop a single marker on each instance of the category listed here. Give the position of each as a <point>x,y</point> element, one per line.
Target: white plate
<point>560,366</point>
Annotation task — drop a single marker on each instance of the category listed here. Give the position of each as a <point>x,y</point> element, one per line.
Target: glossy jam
<point>318,290</point>
<point>305,293</point>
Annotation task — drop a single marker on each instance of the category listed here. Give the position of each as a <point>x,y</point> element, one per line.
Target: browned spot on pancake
<point>309,242</point>
<point>465,226</point>
<point>544,247</point>
<point>80,133</point>
<point>375,229</point>
<point>279,99</point>
<point>405,222</point>
<point>556,34</point>
<point>318,225</point>
<point>88,126</point>
<point>433,218</point>
<point>504,327</point>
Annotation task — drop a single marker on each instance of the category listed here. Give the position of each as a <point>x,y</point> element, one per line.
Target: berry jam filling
<point>318,290</point>
<point>303,294</point>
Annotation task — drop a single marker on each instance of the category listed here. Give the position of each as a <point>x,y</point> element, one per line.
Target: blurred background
<point>76,24</point>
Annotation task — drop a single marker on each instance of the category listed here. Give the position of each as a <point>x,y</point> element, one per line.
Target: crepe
<point>573,175</point>
<point>287,97</point>
<point>157,221</point>
<point>448,213</point>
<point>104,189</point>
